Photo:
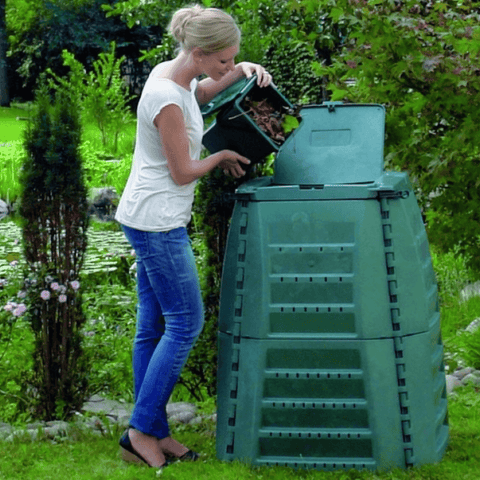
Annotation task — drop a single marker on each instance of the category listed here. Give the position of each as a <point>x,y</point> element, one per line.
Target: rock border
<point>99,415</point>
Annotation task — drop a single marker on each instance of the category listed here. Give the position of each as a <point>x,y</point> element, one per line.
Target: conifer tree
<point>54,210</point>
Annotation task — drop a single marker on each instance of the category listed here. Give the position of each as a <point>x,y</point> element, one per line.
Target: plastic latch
<point>331,105</point>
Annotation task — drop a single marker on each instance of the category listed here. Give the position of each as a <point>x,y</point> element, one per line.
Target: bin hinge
<point>396,318</point>
<point>234,197</point>
<point>393,194</point>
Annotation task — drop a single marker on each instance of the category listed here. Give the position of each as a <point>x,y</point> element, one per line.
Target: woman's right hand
<point>232,163</point>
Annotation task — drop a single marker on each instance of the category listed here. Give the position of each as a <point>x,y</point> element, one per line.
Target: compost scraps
<point>277,125</point>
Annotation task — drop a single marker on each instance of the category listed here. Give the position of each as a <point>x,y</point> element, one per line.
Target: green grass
<point>100,171</point>
<point>89,457</point>
<point>12,129</point>
<point>11,150</point>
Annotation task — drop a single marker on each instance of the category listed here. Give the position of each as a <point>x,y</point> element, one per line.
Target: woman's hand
<point>263,77</point>
<point>231,163</point>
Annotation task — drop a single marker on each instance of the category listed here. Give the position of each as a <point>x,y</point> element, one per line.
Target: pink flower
<point>75,284</point>
<point>45,295</point>
<point>54,286</point>
<point>62,298</point>
<point>20,310</point>
<point>8,307</point>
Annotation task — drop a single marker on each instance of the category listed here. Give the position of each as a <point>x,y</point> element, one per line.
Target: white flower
<point>20,310</point>
<point>22,294</point>
<point>45,295</point>
<point>75,284</point>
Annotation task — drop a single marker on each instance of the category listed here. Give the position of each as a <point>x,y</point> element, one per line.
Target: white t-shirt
<point>152,201</point>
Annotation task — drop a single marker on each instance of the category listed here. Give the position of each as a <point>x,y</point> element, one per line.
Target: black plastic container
<point>234,129</point>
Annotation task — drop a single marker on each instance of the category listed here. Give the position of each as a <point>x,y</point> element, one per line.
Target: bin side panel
<point>310,403</point>
<point>410,265</point>
<point>303,269</point>
<point>426,387</point>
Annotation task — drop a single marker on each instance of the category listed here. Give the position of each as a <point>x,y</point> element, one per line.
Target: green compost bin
<point>330,351</point>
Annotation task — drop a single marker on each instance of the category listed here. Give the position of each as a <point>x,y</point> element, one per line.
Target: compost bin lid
<point>335,143</point>
<point>264,189</point>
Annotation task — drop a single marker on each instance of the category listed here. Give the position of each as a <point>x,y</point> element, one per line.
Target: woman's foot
<point>139,447</point>
<point>174,450</point>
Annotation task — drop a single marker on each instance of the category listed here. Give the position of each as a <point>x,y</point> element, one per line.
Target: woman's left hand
<point>263,77</point>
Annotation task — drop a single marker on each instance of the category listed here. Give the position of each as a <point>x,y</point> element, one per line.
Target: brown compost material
<point>268,118</point>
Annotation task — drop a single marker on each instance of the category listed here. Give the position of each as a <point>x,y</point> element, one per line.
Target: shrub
<point>101,93</point>
<point>54,211</point>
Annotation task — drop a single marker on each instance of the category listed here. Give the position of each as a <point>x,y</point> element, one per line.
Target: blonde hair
<point>210,29</point>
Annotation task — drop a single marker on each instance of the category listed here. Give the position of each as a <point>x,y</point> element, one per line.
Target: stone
<point>452,383</point>
<point>180,407</point>
<point>123,421</point>
<point>56,429</point>
<point>5,431</point>
<point>473,377</point>
<point>182,417</point>
<point>103,204</point>
<point>470,291</point>
<point>213,418</point>
<point>112,408</point>
<point>196,421</point>
<point>474,326</point>
<point>462,372</point>
<point>3,209</point>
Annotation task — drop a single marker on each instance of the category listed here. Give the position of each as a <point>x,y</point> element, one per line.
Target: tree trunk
<point>4,95</point>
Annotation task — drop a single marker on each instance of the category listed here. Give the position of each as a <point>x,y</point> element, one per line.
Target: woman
<point>155,209</point>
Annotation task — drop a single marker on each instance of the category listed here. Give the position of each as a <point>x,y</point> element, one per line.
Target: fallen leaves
<point>274,123</point>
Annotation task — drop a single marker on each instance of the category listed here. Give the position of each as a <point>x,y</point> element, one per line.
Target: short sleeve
<point>155,100</point>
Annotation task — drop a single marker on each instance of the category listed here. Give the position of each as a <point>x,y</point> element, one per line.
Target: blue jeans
<point>169,321</point>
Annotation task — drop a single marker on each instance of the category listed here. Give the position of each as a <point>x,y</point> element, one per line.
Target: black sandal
<point>129,454</point>
<point>189,456</point>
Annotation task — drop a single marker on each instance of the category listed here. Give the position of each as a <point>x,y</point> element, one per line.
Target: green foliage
<point>102,171</point>
<point>108,336</point>
<point>54,210</point>
<point>16,340</point>
<point>420,60</point>
<point>39,31</point>
<point>287,38</point>
<point>452,272</point>
<point>453,275</point>
<point>102,93</point>
<point>10,162</point>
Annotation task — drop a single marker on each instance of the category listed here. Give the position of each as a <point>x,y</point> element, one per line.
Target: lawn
<point>89,457</point>
<point>12,123</point>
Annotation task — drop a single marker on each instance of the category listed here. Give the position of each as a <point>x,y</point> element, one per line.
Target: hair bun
<point>180,19</point>
<point>210,29</point>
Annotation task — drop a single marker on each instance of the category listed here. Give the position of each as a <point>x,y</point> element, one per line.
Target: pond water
<point>103,248</point>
